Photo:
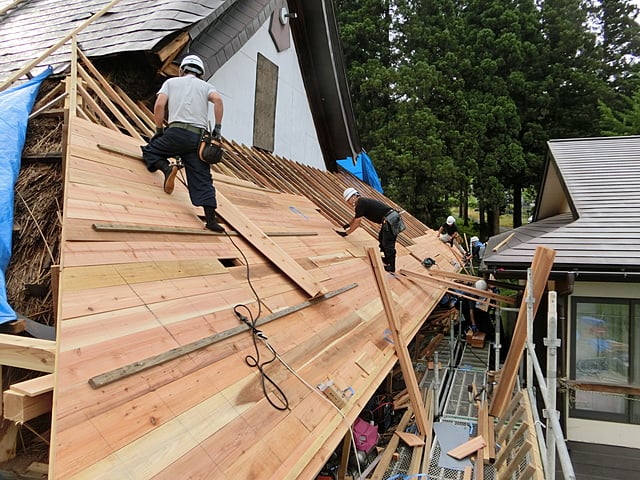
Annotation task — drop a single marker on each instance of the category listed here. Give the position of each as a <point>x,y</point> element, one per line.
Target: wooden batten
<point>467,448</point>
<point>399,342</point>
<point>25,352</point>
<point>35,386</point>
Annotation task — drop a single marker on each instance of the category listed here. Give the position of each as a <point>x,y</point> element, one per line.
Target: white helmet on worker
<point>450,220</point>
<point>474,239</point>
<point>481,285</point>
<point>349,192</point>
<point>193,64</point>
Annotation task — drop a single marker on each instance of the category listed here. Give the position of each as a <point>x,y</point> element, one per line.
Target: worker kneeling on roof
<point>380,213</point>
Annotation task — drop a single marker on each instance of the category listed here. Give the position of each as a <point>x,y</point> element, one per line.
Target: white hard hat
<point>349,192</point>
<point>474,239</point>
<point>192,63</point>
<point>481,285</point>
<point>450,220</point>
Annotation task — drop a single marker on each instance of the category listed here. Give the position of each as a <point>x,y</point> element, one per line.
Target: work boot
<point>170,172</point>
<point>212,223</point>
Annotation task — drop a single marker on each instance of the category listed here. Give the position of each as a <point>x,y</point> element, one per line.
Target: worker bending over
<point>390,222</point>
<point>448,233</point>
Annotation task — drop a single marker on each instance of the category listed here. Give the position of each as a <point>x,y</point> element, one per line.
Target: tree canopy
<point>457,99</point>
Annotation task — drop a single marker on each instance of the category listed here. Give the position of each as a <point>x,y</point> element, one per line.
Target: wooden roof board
<point>161,420</point>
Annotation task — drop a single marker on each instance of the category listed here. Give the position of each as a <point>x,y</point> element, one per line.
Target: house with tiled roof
<point>588,212</point>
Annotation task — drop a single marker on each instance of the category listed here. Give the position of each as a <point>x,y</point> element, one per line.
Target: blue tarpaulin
<point>363,169</point>
<point>15,105</point>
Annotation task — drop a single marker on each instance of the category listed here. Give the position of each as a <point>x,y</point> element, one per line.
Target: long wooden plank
<point>459,286</point>
<point>256,237</point>
<point>97,276</point>
<point>399,342</point>
<point>30,353</point>
<point>123,372</point>
<point>127,227</point>
<point>540,269</point>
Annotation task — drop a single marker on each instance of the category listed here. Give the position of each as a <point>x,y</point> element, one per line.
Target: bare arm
<point>218,106</point>
<point>159,109</point>
<point>355,223</point>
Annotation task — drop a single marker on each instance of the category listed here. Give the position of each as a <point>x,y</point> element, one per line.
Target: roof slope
<point>217,29</point>
<point>588,209</point>
<point>130,25</point>
<point>140,277</point>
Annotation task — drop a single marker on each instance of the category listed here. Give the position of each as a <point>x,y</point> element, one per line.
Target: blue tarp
<point>363,169</point>
<point>15,105</point>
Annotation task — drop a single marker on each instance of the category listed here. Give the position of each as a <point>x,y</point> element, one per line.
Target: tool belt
<point>187,126</point>
<point>209,149</point>
<point>395,222</point>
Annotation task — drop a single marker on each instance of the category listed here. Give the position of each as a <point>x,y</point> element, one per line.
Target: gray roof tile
<point>601,179</point>
<point>130,25</point>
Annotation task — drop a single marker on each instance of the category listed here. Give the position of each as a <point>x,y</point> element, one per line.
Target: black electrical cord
<point>254,360</point>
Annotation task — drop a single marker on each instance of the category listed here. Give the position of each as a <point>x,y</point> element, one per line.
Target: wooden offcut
<point>467,448</point>
<point>410,439</point>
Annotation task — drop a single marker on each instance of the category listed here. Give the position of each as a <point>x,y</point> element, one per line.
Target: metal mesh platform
<point>458,404</point>
<point>439,473</point>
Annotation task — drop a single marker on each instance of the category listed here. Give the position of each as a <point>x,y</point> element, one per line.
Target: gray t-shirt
<point>188,100</point>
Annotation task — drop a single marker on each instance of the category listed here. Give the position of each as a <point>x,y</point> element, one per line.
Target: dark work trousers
<point>183,143</point>
<point>387,241</point>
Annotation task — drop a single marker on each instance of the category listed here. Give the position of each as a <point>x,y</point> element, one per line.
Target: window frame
<point>631,414</point>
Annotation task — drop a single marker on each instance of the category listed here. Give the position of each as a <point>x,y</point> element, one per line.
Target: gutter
<point>584,275</point>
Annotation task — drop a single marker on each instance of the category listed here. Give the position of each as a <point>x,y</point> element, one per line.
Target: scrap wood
<point>401,400</point>
<point>390,449</point>
<point>410,439</point>
<point>137,367</point>
<point>432,346</point>
<point>467,448</point>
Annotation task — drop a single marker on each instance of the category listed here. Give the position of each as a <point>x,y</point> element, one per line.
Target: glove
<point>345,226</point>
<point>474,329</point>
<point>342,234</point>
<point>159,133</point>
<point>216,132</point>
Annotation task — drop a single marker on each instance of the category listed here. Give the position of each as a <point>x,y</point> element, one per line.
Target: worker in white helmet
<point>478,312</point>
<point>448,233</point>
<point>184,102</point>
<point>390,221</point>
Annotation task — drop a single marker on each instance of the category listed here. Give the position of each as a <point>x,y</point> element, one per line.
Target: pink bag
<point>365,435</point>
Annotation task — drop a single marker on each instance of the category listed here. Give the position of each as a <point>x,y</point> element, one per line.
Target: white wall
<point>595,431</point>
<point>295,134</point>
